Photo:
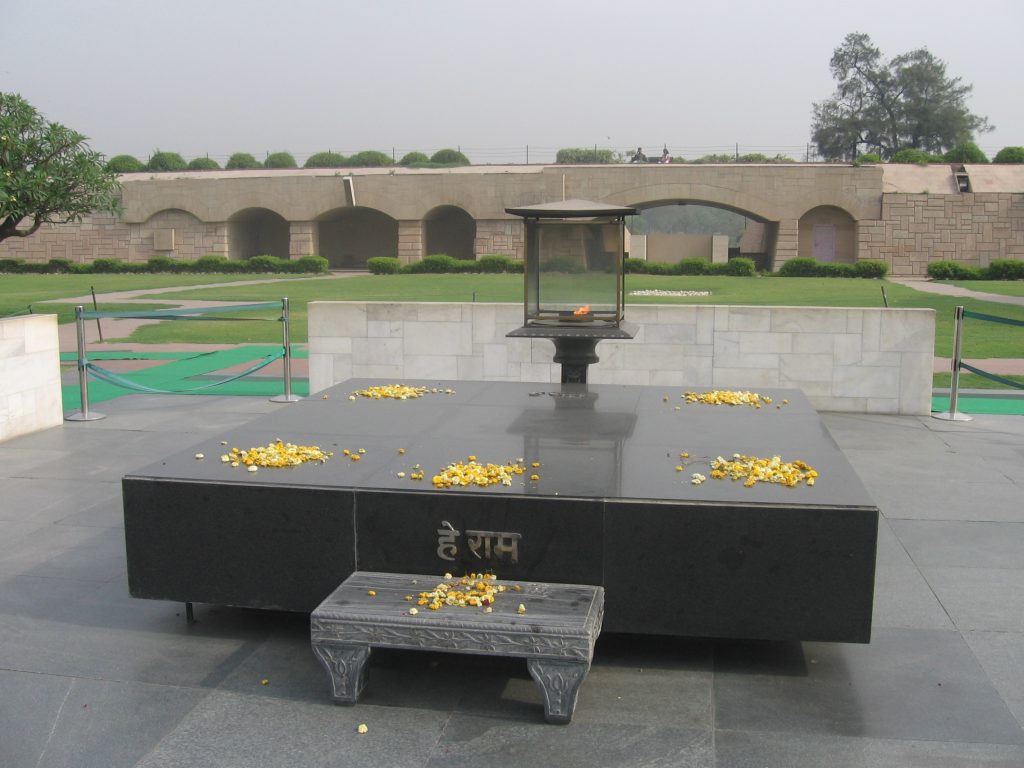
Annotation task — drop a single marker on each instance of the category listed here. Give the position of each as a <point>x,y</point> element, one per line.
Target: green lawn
<point>1002,287</point>
<point>17,292</point>
<point>981,339</point>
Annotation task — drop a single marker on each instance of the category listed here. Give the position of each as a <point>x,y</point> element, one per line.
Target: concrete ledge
<point>30,396</point>
<point>863,360</point>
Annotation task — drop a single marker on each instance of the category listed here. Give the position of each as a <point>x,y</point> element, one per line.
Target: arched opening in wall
<point>672,230</point>
<point>828,233</point>
<point>350,236</point>
<point>449,229</point>
<point>257,232</point>
<point>176,234</point>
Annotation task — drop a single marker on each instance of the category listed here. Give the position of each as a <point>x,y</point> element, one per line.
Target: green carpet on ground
<point>183,372</point>
<point>1005,406</point>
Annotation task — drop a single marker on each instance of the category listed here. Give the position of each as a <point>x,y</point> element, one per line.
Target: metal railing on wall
<point>87,368</point>
<point>958,363</point>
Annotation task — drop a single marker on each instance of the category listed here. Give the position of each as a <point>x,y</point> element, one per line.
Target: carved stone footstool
<point>555,634</point>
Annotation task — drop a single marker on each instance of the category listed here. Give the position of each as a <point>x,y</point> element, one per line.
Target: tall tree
<point>883,107</point>
<point>47,172</point>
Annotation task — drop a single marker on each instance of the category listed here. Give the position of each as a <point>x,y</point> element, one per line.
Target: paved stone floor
<point>91,677</point>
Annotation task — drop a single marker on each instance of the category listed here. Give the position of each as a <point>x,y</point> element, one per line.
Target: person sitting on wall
<point>665,156</point>
<point>639,157</point>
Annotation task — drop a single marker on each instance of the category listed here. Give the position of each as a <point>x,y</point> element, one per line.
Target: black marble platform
<point>714,560</point>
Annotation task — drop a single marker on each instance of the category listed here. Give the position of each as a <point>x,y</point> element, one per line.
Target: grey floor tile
<point>101,724</point>
<point>890,550</point>
<point>962,544</point>
<point>737,749</point>
<point>29,704</point>
<point>904,600</point>
<point>28,500</point>
<point>478,742</point>
<point>919,685</point>
<point>1001,655</point>
<point>989,599</point>
<point>228,730</point>
<point>997,501</point>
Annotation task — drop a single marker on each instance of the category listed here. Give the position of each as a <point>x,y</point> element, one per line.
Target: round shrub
<point>280,160</point>
<point>1004,269</point>
<point>125,164</point>
<point>211,262</point>
<point>835,269</point>
<point>1009,155</point>
<point>493,263</point>
<point>968,152</point>
<point>325,160</point>
<point>869,157</point>
<point>663,268</point>
<point>162,162</point>
<point>203,164</point>
<point>58,266</point>
<point>161,264</point>
<point>263,263</point>
<point>741,266</point>
<point>370,159</point>
<point>449,157</point>
<point>437,263</point>
<point>910,156</point>
<point>384,265</point>
<point>316,265</point>
<point>953,270</point>
<point>412,158</point>
<point>242,161</point>
<point>799,267</point>
<point>634,266</point>
<point>584,156</point>
<point>870,268</point>
<point>108,265</point>
<point>691,266</point>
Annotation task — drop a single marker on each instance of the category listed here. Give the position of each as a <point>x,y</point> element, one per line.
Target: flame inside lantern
<point>581,311</point>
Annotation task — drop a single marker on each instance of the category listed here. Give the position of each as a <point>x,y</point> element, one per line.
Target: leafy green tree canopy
<point>125,164</point>
<point>884,106</point>
<point>241,161</point>
<point>449,157</point>
<point>48,174</point>
<point>325,160</point>
<point>166,161</point>
<point>203,164</point>
<point>1009,155</point>
<point>280,160</point>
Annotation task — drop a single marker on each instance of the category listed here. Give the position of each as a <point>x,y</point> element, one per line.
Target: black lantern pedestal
<point>575,343</point>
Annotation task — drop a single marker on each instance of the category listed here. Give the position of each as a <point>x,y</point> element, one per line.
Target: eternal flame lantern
<point>573,282</point>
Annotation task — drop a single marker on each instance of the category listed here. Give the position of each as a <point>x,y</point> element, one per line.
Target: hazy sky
<point>221,76</point>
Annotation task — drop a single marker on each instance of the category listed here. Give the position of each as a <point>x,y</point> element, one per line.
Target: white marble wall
<point>862,360</point>
<point>30,397</point>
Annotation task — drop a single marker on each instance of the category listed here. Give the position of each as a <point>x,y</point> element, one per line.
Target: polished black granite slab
<point>609,508</point>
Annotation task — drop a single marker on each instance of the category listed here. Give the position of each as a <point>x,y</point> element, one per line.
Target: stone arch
<point>258,231</point>
<point>756,239</point>
<point>451,230</point>
<point>828,233</point>
<point>347,237</point>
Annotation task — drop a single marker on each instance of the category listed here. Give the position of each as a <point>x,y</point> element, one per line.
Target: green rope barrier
<point>993,318</point>
<point>170,314</point>
<point>991,376</point>
<point>120,381</point>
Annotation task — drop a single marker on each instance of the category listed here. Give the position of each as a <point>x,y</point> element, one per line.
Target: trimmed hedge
<point>440,263</point>
<point>1000,269</point>
<point>739,266</point>
<point>211,263</point>
<point>805,267</point>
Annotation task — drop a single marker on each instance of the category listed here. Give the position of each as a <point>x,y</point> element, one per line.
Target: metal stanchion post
<point>83,376</point>
<point>954,381</point>
<point>287,397</point>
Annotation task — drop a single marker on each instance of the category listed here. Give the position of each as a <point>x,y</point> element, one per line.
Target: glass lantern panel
<point>576,270</point>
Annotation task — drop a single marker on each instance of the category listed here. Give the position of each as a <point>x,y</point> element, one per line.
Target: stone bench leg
<point>560,682</point>
<point>346,665</point>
